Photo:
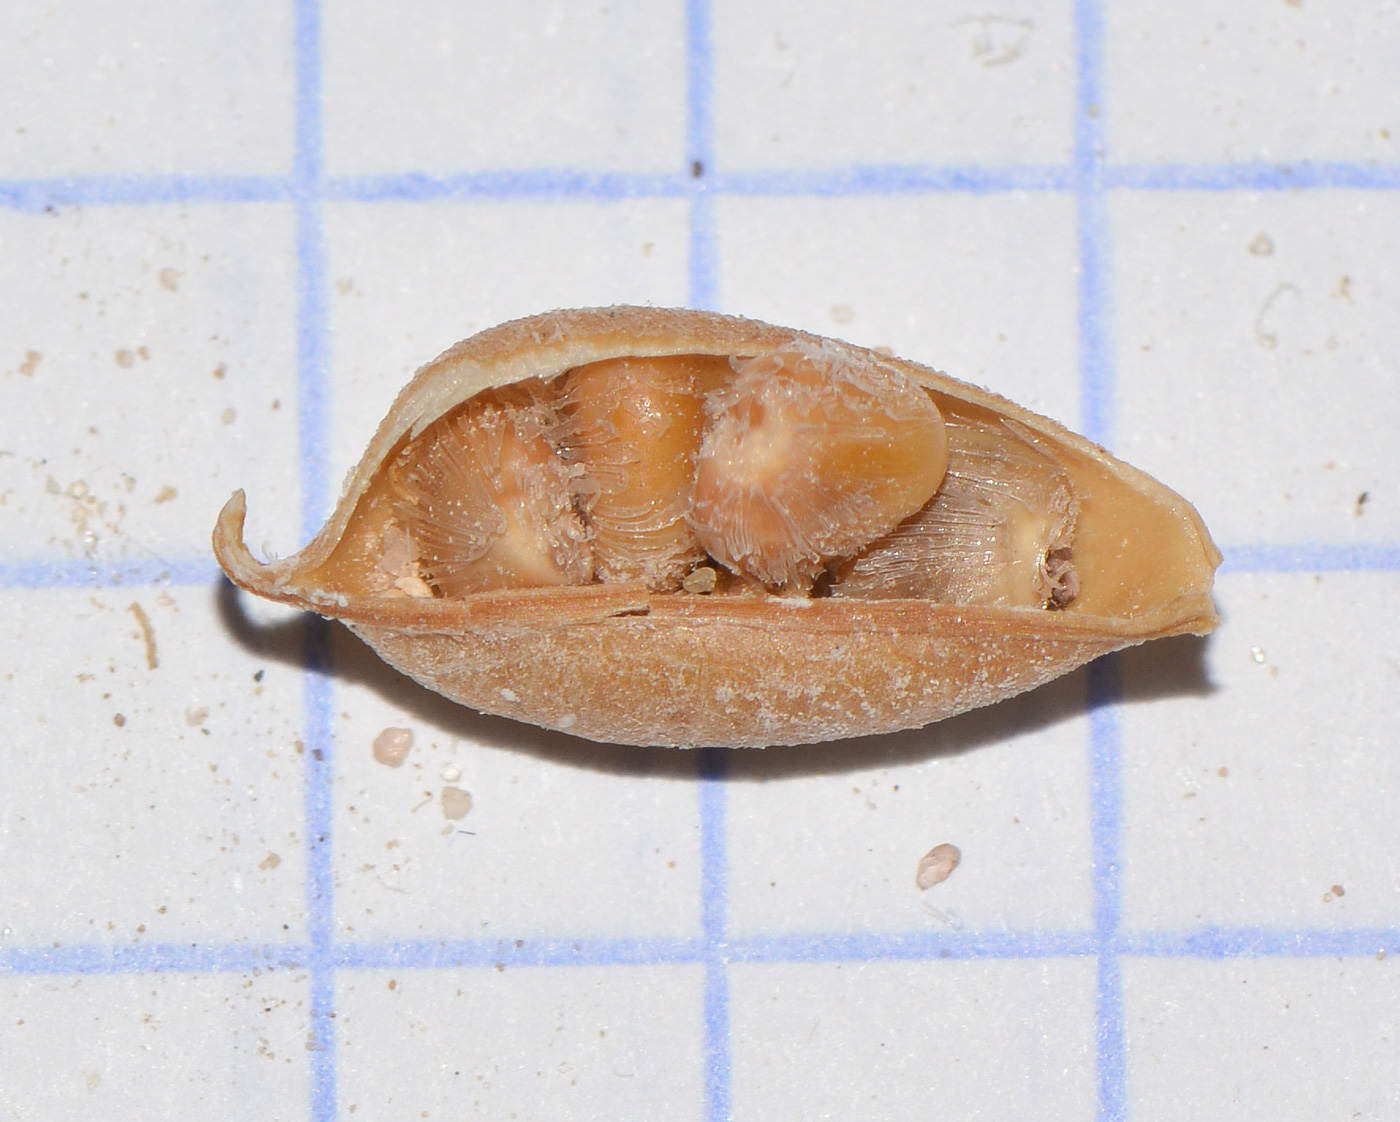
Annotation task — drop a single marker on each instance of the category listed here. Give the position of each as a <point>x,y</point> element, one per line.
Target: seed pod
<point>661,527</point>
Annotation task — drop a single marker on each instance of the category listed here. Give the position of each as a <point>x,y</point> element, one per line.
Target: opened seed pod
<point>671,527</point>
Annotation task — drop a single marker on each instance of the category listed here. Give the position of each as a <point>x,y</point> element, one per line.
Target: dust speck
<point>119,720</point>
<point>937,865</point>
<point>392,745</point>
<point>455,803</point>
<point>125,358</point>
<point>271,861</point>
<point>170,278</point>
<point>196,717</point>
<point>451,773</point>
<point>842,313</point>
<point>1261,246</point>
<point>1338,890</point>
<point>1223,772</point>
<point>1257,654</point>
<point>700,581</point>
<point>220,370</point>
<point>166,494</point>
<point>508,694</point>
<point>30,363</point>
<point>1361,501</point>
<point>229,416</point>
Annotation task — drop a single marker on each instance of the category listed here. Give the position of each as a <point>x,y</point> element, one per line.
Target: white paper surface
<point>228,234</point>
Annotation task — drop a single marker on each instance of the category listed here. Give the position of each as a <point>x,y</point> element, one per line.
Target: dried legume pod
<point>667,527</point>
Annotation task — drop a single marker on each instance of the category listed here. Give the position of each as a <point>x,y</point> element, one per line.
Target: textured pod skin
<point>625,664</point>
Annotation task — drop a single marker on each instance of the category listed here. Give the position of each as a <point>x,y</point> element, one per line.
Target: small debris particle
<point>119,720</point>
<point>196,717</point>
<point>30,363</point>
<point>271,861</point>
<point>701,580</point>
<point>1261,246</point>
<point>148,635</point>
<point>1361,501</point>
<point>842,313</point>
<point>1223,772</point>
<point>125,358</point>
<point>170,278</point>
<point>165,494</point>
<point>229,416</point>
<point>1257,654</point>
<point>1327,897</point>
<point>220,370</point>
<point>393,984</point>
<point>456,803</point>
<point>697,169</point>
<point>937,865</point>
<point>1338,890</point>
<point>391,746</point>
<point>451,773</point>
<point>258,677</point>
<point>145,353</point>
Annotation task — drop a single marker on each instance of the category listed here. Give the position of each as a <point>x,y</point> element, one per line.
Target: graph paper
<point>230,232</point>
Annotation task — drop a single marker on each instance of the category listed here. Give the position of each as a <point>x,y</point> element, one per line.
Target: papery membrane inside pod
<point>681,528</point>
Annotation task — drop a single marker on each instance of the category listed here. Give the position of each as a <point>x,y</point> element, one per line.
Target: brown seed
<point>937,865</point>
<point>807,457</point>
<point>633,427</point>
<point>484,499</point>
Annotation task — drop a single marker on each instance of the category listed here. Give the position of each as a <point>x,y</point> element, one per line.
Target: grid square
<point>1231,311</point>
<point>146,804</point>
<point>1206,841</point>
<point>901,83</point>
<point>814,851</point>
<point>1263,1039</point>
<point>898,1040</point>
<point>409,280</point>
<point>155,1046</point>
<point>117,316</point>
<point>1198,82</point>
<point>441,87</point>
<point>567,839</point>
<point>983,286</point>
<point>529,1044</point>
<point>147,86</point>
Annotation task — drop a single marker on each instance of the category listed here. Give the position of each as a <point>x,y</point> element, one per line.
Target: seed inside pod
<point>632,426</point>
<point>1000,531</point>
<point>807,458</point>
<point>484,498</point>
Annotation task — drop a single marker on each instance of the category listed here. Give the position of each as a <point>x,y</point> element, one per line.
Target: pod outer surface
<point>623,664</point>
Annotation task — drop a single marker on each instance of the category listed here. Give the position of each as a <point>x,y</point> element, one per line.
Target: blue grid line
<point>1097,395</point>
<point>565,183</point>
<point>66,573</point>
<point>313,426</point>
<point>1359,175</point>
<point>712,763</point>
<point>1211,943</point>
